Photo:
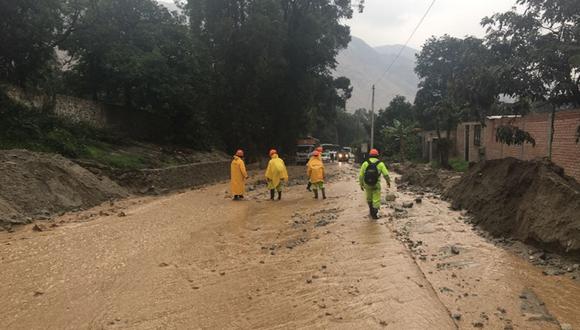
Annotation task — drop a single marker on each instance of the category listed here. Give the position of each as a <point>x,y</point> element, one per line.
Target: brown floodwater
<point>197,260</point>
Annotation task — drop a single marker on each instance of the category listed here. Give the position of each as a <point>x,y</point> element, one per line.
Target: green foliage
<point>538,46</point>
<point>458,164</point>
<point>459,82</point>
<point>29,32</point>
<point>103,154</point>
<point>64,142</point>
<point>241,73</point>
<point>400,140</point>
<point>399,109</point>
<point>512,135</point>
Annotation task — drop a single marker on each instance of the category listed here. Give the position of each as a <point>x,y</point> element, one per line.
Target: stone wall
<point>69,108</point>
<point>174,178</point>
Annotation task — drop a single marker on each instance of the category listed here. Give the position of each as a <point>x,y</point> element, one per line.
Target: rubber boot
<point>370,208</point>
<point>308,186</point>
<point>279,195</point>
<point>236,198</point>
<point>375,214</point>
<point>316,194</point>
<point>323,193</point>
<point>272,192</point>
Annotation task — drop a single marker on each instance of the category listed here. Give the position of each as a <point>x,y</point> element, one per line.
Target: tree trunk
<point>402,146</point>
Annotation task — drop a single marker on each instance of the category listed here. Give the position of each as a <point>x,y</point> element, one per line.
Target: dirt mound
<point>529,200</point>
<point>424,176</point>
<point>38,185</point>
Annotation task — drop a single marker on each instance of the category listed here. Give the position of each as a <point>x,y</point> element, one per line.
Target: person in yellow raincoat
<point>315,173</point>
<point>320,150</point>
<point>238,175</point>
<point>275,174</point>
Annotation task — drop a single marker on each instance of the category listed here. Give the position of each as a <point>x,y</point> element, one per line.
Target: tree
<point>540,49</point>
<point>458,82</point>
<point>138,55</point>
<point>270,62</point>
<point>399,109</point>
<point>400,139</point>
<point>29,33</point>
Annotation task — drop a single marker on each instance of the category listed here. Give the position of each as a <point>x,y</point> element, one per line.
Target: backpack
<point>372,174</point>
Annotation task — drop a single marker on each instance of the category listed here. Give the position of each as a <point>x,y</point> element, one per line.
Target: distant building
<point>474,142</point>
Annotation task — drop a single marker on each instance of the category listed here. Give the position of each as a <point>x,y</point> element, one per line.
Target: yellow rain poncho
<point>239,175</point>
<point>276,172</point>
<point>315,170</point>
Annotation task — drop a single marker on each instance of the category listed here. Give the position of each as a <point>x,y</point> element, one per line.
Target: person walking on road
<point>370,181</point>
<point>318,149</point>
<point>239,175</point>
<point>276,173</point>
<point>315,173</point>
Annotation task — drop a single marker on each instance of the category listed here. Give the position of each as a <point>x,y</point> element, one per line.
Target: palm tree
<point>400,132</point>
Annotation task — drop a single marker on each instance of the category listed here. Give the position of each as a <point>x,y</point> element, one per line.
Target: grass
<point>102,153</point>
<point>458,165</point>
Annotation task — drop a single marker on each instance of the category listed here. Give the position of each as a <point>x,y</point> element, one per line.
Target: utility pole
<point>373,119</point>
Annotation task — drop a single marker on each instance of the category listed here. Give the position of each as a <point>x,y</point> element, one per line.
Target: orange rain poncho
<point>315,170</point>
<point>239,175</point>
<point>276,171</point>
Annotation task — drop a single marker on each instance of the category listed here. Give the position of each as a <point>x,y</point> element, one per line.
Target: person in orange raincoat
<point>238,175</point>
<point>320,150</point>
<point>276,173</point>
<point>315,173</point>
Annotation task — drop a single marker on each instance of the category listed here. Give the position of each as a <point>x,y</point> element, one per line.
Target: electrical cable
<point>406,43</point>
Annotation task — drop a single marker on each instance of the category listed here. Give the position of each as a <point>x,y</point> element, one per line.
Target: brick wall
<point>565,151</point>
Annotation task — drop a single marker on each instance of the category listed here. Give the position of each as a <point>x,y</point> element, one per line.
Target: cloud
<point>391,21</point>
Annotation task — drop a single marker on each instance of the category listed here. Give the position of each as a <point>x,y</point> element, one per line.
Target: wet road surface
<point>196,260</point>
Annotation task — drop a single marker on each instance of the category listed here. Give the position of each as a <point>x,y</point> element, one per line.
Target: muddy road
<point>197,260</point>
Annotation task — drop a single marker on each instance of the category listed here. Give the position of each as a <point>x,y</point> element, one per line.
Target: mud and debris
<point>424,178</point>
<point>531,201</point>
<point>183,258</point>
<point>38,186</point>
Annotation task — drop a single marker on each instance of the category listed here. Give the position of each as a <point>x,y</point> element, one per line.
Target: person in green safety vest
<point>370,181</point>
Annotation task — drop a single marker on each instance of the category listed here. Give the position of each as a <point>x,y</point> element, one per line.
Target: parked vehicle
<point>331,150</point>
<point>303,153</point>
<point>325,156</point>
<point>345,155</point>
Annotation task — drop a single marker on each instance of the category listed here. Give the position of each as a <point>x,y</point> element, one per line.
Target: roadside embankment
<point>531,201</point>
<point>37,185</point>
<point>425,177</point>
<point>173,178</point>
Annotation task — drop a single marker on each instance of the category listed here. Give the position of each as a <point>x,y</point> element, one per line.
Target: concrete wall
<point>475,151</point>
<point>429,145</point>
<point>565,150</point>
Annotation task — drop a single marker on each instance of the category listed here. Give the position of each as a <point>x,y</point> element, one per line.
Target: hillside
<point>364,64</point>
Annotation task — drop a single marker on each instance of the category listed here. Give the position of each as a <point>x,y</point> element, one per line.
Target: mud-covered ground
<point>196,259</point>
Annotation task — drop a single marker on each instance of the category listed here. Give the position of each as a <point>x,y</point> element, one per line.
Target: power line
<point>406,43</point>
<point>389,69</point>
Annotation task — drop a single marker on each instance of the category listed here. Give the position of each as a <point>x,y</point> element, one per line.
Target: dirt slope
<point>38,185</point>
<point>531,201</point>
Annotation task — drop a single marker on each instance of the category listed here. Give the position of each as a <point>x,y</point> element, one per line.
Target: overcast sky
<point>392,21</point>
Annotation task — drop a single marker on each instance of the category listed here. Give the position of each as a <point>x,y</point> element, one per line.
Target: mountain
<point>364,65</point>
